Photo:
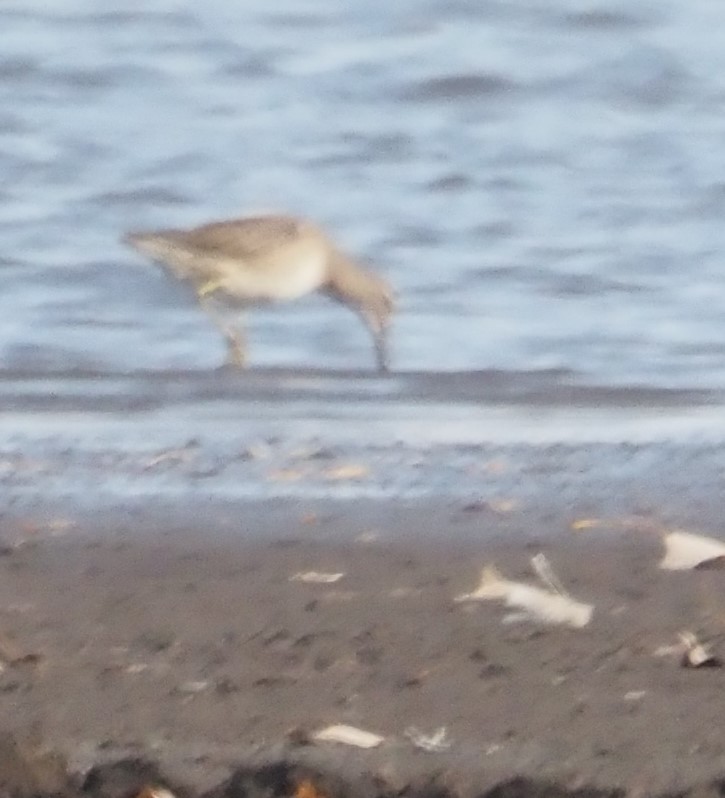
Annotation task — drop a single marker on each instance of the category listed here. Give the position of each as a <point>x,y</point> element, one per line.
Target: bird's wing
<point>243,239</point>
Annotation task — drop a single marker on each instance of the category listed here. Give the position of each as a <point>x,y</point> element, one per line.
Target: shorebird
<point>267,259</point>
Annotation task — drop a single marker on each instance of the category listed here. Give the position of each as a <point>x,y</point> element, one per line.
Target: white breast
<point>286,279</point>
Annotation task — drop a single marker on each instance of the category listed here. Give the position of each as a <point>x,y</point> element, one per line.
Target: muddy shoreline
<point>182,638</point>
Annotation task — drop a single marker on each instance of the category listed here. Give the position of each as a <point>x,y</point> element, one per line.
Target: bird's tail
<point>153,245</point>
<point>164,248</point>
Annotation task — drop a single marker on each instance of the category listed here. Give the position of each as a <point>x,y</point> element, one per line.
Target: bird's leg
<point>236,348</point>
<point>236,344</point>
<point>381,352</point>
<point>379,331</point>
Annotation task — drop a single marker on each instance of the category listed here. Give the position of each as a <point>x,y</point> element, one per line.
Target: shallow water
<point>544,183</point>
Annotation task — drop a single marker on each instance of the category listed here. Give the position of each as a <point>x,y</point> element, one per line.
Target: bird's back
<point>255,258</point>
<point>244,239</point>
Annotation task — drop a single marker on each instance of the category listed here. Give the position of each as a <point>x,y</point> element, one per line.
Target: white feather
<point>683,551</point>
<point>533,603</point>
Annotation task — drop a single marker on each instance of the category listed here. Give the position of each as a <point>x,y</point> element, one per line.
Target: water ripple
<point>460,87</point>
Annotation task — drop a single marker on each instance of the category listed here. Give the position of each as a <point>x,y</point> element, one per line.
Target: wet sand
<point>178,637</point>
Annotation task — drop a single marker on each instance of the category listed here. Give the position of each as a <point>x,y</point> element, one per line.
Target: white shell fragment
<point>696,654</point>
<point>684,551</point>
<point>551,606</point>
<point>193,687</point>
<point>348,735</point>
<point>316,577</point>
<point>433,743</point>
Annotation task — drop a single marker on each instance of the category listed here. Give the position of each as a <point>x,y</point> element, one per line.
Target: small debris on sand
<point>433,743</point>
<point>316,577</point>
<point>348,735</point>
<point>154,791</point>
<point>696,654</point>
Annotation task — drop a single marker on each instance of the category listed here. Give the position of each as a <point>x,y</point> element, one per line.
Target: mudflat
<point>190,639</point>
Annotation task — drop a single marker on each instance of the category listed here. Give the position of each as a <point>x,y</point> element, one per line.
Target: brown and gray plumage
<point>269,258</point>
